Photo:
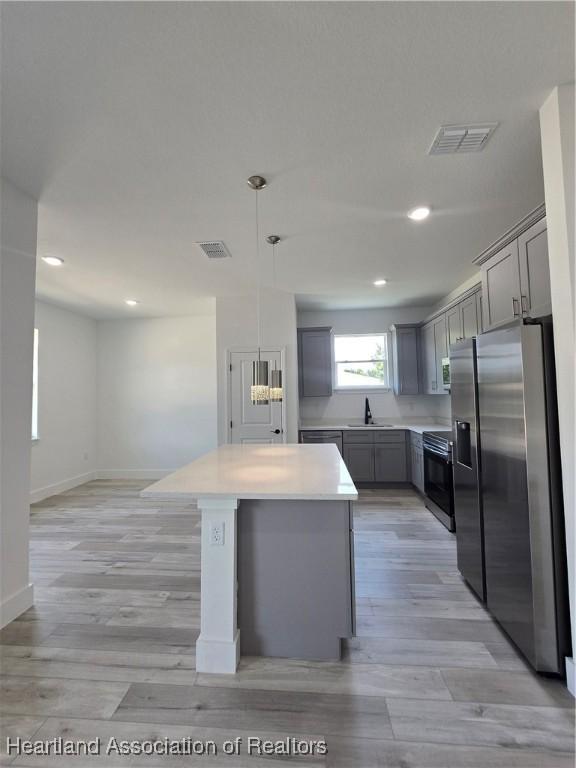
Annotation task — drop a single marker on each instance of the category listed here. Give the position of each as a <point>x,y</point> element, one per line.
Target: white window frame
<point>361,389</point>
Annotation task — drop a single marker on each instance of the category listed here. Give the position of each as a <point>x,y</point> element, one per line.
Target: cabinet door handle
<point>524,304</point>
<point>515,310</point>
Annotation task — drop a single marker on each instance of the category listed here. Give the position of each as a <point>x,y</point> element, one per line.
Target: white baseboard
<point>16,604</point>
<point>104,474</point>
<point>64,485</point>
<point>571,676</point>
<point>132,474</point>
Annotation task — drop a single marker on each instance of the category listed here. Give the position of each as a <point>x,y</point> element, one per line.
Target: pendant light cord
<point>258,286</point>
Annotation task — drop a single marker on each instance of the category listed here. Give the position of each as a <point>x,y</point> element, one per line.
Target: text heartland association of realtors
<point>253,745</point>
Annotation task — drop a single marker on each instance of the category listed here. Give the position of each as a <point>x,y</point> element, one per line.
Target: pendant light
<point>260,389</point>
<point>276,391</point>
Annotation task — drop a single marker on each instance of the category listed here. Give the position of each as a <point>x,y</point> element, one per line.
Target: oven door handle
<point>441,454</point>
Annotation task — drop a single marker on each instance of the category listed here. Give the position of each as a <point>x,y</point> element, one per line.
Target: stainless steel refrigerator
<point>466,465</point>
<point>516,520</point>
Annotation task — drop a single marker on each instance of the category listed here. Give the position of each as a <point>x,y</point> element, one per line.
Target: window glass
<point>361,361</point>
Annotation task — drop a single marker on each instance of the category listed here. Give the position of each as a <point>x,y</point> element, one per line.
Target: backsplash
<point>384,405</point>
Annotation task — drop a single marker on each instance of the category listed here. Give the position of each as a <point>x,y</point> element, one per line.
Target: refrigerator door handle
<point>515,308</point>
<point>524,304</point>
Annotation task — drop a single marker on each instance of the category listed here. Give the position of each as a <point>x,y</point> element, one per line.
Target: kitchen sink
<point>370,426</point>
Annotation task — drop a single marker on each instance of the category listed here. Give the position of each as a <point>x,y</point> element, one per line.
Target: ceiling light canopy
<point>419,214</point>
<point>380,281</point>
<point>54,261</point>
<point>131,302</point>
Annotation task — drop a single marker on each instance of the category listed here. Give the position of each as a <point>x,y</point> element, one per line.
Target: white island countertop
<point>260,471</point>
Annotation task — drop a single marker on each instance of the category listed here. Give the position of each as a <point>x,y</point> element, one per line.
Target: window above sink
<point>361,363</point>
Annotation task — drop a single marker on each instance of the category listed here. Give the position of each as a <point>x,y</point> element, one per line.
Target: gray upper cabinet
<point>516,278</point>
<point>454,324</point>
<point>501,286</point>
<point>441,341</point>
<point>470,318</point>
<point>429,373</point>
<point>315,362</point>
<point>535,298</point>
<point>405,353</point>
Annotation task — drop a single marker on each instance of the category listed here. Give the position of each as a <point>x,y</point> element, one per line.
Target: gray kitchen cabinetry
<point>417,461</point>
<point>390,462</point>
<point>315,362</point>
<point>434,349</point>
<point>322,436</point>
<point>470,310</point>
<point>405,354</point>
<point>516,278</point>
<point>454,324</point>
<point>376,456</point>
<point>462,320</point>
<point>359,458</point>
<point>441,341</point>
<point>429,373</point>
<point>535,298</point>
<point>501,286</point>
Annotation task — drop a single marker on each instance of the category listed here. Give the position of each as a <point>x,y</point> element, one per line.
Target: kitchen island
<point>277,572</point>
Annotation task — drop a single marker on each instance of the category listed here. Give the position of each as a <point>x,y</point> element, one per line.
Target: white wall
<point>236,327</point>
<point>557,133</point>
<point>65,453</point>
<point>385,404</point>
<point>18,228</point>
<point>156,394</point>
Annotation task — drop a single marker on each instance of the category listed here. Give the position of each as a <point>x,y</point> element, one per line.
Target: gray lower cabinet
<point>417,461</point>
<point>315,362</point>
<point>334,437</point>
<point>390,463</point>
<point>359,458</point>
<point>405,357</point>
<point>376,456</point>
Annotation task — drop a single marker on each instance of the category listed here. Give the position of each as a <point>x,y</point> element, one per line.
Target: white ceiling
<point>136,125</point>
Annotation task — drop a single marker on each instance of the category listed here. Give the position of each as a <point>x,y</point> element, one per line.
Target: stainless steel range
<point>438,478</point>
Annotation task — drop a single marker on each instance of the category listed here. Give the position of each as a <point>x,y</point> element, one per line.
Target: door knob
<point>275,431</point>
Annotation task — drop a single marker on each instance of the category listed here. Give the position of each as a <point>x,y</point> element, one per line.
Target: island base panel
<point>295,578</point>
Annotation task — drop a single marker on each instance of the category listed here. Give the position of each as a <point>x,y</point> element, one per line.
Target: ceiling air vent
<point>215,249</point>
<point>457,139</point>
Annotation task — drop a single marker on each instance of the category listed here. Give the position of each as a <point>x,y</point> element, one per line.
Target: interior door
<point>252,423</point>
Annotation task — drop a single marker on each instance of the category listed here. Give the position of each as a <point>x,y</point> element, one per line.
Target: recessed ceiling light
<point>380,282</point>
<point>131,302</point>
<point>418,214</point>
<point>54,261</point>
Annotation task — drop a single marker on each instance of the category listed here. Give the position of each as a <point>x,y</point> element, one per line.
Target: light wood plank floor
<point>108,649</point>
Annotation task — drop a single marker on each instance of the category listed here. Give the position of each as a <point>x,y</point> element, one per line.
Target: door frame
<point>228,405</point>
